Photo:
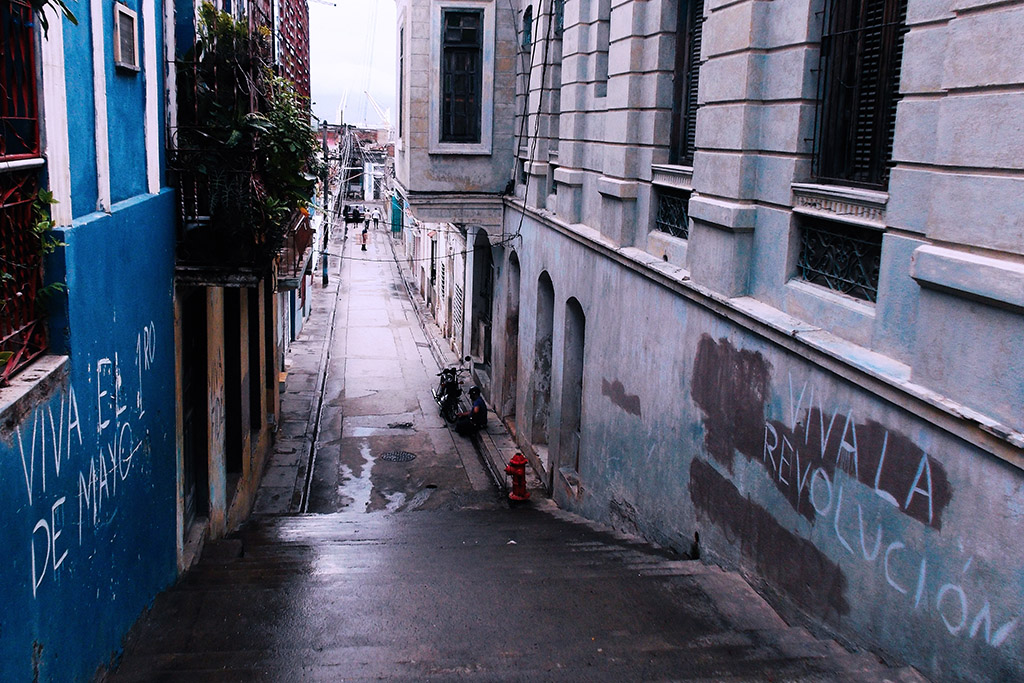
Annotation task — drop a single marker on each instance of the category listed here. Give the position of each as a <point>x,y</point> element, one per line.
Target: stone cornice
<point>838,203</point>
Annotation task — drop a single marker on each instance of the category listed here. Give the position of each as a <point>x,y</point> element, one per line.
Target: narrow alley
<point>386,552</point>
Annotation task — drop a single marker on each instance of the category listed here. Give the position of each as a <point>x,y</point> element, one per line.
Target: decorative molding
<point>723,214</point>
<point>55,120</point>
<point>677,177</point>
<point>971,276</point>
<point>483,147</point>
<point>569,176</point>
<point>539,168</point>
<point>618,188</point>
<point>466,209</point>
<point>99,98</point>
<point>151,70</point>
<point>843,204</point>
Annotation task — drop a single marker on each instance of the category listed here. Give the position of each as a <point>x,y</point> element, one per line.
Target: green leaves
<point>249,134</point>
<point>39,6</point>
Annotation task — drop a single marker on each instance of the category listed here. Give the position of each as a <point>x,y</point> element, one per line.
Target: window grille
<point>461,75</point>
<point>843,257</point>
<point>689,32</point>
<point>19,110</point>
<point>22,331</point>
<point>672,216</point>
<point>858,88</point>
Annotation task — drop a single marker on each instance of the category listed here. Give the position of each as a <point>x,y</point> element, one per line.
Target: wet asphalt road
<point>418,570</point>
<point>378,401</point>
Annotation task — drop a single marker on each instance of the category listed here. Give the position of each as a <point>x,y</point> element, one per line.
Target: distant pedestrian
<point>364,237</point>
<point>376,218</point>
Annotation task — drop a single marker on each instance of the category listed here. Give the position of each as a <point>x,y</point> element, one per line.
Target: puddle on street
<point>358,489</point>
<point>368,431</point>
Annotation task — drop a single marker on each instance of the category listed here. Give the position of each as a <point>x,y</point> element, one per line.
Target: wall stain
<point>780,557</point>
<point>617,393</point>
<point>731,387</point>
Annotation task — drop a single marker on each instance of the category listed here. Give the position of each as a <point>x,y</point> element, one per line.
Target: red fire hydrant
<point>517,469</point>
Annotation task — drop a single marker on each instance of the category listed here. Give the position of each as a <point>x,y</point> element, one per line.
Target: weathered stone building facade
<point>759,279</point>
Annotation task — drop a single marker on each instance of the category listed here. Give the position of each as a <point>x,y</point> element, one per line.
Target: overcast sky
<point>347,55</point>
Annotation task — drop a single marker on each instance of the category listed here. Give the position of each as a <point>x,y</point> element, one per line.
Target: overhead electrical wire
<point>532,144</point>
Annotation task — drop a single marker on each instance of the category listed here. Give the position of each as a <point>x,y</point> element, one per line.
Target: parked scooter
<point>449,390</point>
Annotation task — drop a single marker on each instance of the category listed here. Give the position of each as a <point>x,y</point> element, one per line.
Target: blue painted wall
<point>81,112</point>
<point>126,114</point>
<point>88,475</point>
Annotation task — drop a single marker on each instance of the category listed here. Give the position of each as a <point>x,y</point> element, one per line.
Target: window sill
<point>667,247</point>
<point>30,386</point>
<point>460,148</point>
<point>842,315</point>
<point>843,204</point>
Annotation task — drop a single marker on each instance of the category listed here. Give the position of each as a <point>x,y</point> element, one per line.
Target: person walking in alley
<point>364,237</point>
<point>475,418</point>
<point>376,218</point>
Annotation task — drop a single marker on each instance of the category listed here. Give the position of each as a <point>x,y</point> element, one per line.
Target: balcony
<point>241,156</point>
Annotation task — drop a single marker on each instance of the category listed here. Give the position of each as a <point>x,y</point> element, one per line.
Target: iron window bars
<point>858,88</point>
<point>845,258</point>
<point>19,110</point>
<point>461,75</point>
<point>689,32</point>
<point>672,216</point>
<point>22,329</point>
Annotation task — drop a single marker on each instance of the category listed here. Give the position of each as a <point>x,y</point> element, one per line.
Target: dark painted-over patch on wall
<point>731,388</point>
<point>805,453</point>
<point>616,393</point>
<point>782,558</point>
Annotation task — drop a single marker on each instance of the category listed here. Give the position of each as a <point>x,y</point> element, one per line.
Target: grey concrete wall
<point>862,461</point>
<point>844,497</point>
<point>416,168</point>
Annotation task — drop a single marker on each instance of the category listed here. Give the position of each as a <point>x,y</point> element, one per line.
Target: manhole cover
<point>398,456</point>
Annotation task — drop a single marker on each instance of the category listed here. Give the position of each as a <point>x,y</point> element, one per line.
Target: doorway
<point>511,374</point>
<point>572,388</point>
<point>541,380</point>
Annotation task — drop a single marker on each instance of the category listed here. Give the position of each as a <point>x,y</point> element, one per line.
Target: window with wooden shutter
<point>689,28</point>
<point>858,88</point>
<point>461,75</point>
